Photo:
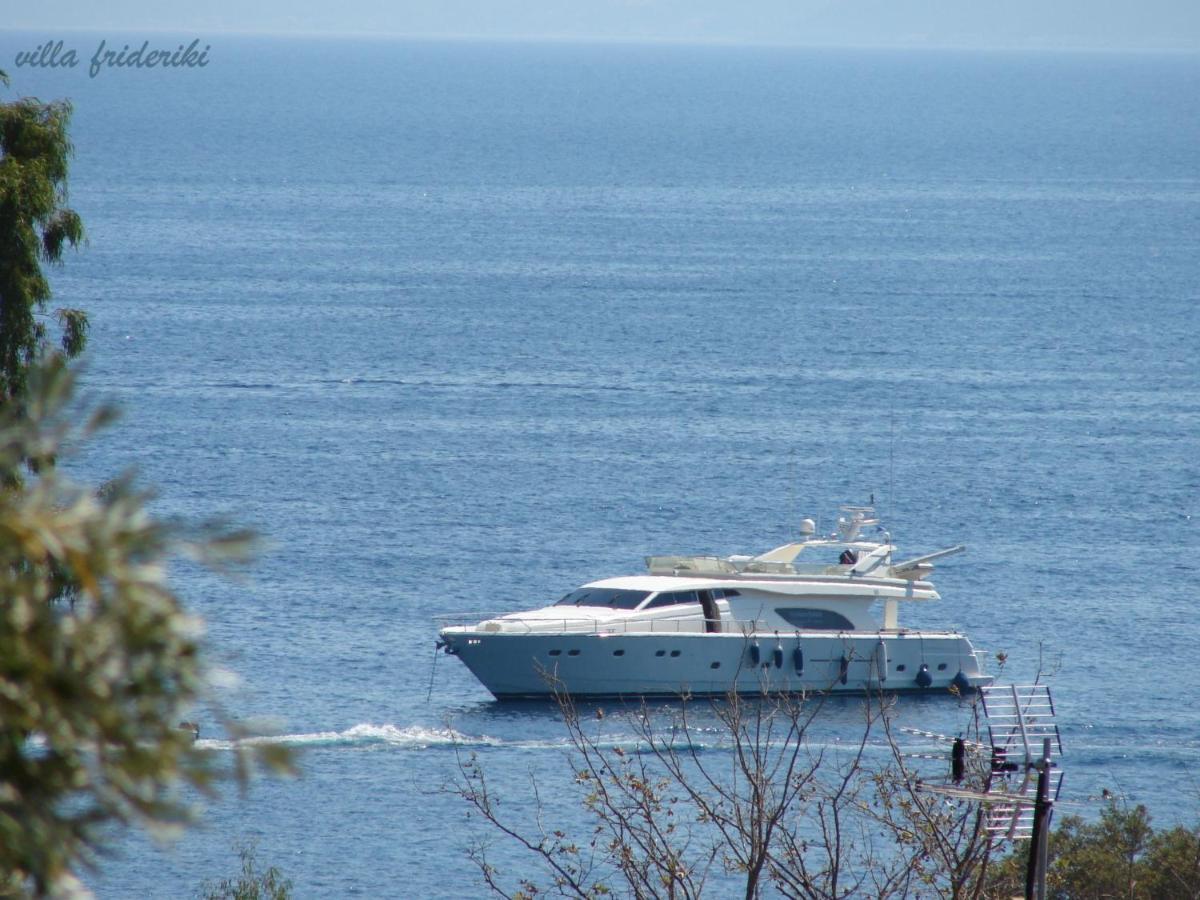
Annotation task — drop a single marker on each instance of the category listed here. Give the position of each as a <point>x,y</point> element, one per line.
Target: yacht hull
<point>533,665</point>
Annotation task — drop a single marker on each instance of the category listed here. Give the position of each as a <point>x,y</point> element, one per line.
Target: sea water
<point>459,326</point>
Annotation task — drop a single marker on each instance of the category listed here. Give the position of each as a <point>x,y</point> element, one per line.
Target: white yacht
<point>801,617</point>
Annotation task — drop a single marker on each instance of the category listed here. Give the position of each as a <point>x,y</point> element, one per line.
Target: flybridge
<point>852,556</point>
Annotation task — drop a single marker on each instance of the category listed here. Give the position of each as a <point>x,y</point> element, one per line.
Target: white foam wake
<point>418,737</point>
<point>414,737</point>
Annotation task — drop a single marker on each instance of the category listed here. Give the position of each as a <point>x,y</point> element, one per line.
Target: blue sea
<point>460,326</point>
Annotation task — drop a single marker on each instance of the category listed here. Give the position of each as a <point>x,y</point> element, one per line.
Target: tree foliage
<point>251,884</point>
<point>36,226</point>
<point>763,813</point>
<point>1118,856</point>
<point>767,814</point>
<point>98,658</point>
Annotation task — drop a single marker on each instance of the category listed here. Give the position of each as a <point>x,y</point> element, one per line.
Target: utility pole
<point>1035,872</point>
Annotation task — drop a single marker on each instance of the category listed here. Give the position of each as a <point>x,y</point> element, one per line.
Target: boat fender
<point>798,660</point>
<point>755,654</point>
<point>778,656</point>
<point>844,669</point>
<point>962,682</point>
<point>881,661</point>
<point>924,679</point>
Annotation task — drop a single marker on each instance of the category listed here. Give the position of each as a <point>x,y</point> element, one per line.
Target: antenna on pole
<point>1026,713</point>
<point>793,512</point>
<point>891,509</point>
<point>1021,726</point>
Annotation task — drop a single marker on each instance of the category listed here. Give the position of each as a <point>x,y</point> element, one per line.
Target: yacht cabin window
<point>613,598</point>
<point>672,598</point>
<point>816,619</point>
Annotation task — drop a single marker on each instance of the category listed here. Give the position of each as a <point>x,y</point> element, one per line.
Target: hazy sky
<point>1108,24</point>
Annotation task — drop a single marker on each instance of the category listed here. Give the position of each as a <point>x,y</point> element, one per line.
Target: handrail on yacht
<point>565,625</point>
<point>749,628</point>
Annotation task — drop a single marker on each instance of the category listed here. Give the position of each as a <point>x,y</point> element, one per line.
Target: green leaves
<point>35,226</point>
<point>63,227</point>
<point>98,658</point>
<point>1121,855</point>
<point>251,884</point>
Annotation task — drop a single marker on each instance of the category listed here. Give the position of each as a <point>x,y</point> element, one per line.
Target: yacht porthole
<point>555,652</point>
<point>674,652</point>
<point>618,653</point>
<point>900,668</point>
<point>941,667</point>
<point>660,652</point>
<point>715,665</point>
<point>574,652</point>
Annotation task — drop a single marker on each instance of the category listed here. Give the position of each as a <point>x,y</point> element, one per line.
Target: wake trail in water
<point>411,737</point>
<point>420,737</point>
<point>414,737</point>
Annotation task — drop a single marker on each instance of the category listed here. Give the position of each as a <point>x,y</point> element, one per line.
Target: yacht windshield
<point>614,598</point>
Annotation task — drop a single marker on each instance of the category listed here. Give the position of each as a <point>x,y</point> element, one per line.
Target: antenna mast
<point>891,466</point>
<point>1021,727</point>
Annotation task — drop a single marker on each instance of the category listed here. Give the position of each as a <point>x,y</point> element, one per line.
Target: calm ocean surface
<point>461,326</point>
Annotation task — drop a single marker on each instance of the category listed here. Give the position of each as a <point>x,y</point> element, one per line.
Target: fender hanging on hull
<point>924,679</point>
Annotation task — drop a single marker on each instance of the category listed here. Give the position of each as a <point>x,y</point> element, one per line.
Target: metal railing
<point>510,624</point>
